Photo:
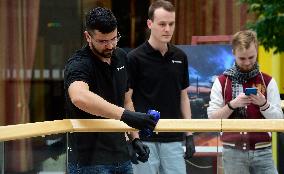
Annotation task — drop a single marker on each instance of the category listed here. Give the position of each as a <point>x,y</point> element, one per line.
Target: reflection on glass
<point>36,155</point>
<point>247,151</point>
<point>208,156</point>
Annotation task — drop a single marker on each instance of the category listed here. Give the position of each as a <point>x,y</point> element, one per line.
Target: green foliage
<point>269,25</point>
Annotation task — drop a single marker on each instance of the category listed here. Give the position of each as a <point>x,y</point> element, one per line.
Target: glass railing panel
<point>207,156</point>
<point>36,155</point>
<point>206,160</point>
<point>247,151</point>
<point>47,155</point>
<point>280,152</point>
<point>1,157</point>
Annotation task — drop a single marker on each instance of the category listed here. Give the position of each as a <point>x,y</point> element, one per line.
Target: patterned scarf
<point>238,78</point>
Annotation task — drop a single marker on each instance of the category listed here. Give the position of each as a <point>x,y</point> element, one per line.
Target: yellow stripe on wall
<point>273,64</point>
<point>274,148</point>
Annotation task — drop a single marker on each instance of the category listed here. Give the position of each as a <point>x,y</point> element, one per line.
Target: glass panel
<point>211,152</point>
<point>280,152</point>
<point>208,154</point>
<point>36,155</point>
<point>1,157</point>
<point>206,160</point>
<point>245,151</point>
<point>48,155</point>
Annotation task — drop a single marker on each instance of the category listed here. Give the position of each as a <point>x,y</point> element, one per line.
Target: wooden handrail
<point>164,125</point>
<point>21,131</point>
<point>253,125</point>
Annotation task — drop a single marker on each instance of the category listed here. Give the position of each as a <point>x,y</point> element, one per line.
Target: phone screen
<point>249,91</point>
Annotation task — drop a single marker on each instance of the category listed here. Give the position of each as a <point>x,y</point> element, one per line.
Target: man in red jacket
<point>245,152</point>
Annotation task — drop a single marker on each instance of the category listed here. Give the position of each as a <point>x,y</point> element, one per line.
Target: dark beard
<point>104,54</point>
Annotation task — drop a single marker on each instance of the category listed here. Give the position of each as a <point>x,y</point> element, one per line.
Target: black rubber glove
<point>189,146</point>
<point>142,150</point>
<point>138,120</point>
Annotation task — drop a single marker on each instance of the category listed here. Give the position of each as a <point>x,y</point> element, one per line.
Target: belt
<point>247,146</point>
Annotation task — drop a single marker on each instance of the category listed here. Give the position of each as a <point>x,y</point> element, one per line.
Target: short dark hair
<point>168,6</point>
<point>101,19</point>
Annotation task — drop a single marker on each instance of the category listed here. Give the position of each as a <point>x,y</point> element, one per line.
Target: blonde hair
<point>243,39</point>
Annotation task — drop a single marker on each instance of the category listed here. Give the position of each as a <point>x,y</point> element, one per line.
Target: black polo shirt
<point>109,82</point>
<point>157,82</point>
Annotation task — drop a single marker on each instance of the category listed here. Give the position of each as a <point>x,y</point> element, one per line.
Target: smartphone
<point>249,91</point>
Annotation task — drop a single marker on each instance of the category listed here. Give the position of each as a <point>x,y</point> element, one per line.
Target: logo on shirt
<point>176,61</point>
<point>120,68</point>
<point>260,87</point>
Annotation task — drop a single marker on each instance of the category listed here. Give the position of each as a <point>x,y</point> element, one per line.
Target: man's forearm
<point>221,113</point>
<point>128,104</point>
<point>96,105</point>
<point>185,107</point>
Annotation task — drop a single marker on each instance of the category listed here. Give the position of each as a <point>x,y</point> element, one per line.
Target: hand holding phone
<point>249,91</point>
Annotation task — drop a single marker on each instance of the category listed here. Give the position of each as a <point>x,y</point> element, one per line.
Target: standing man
<point>95,84</point>
<point>158,73</point>
<point>245,152</point>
